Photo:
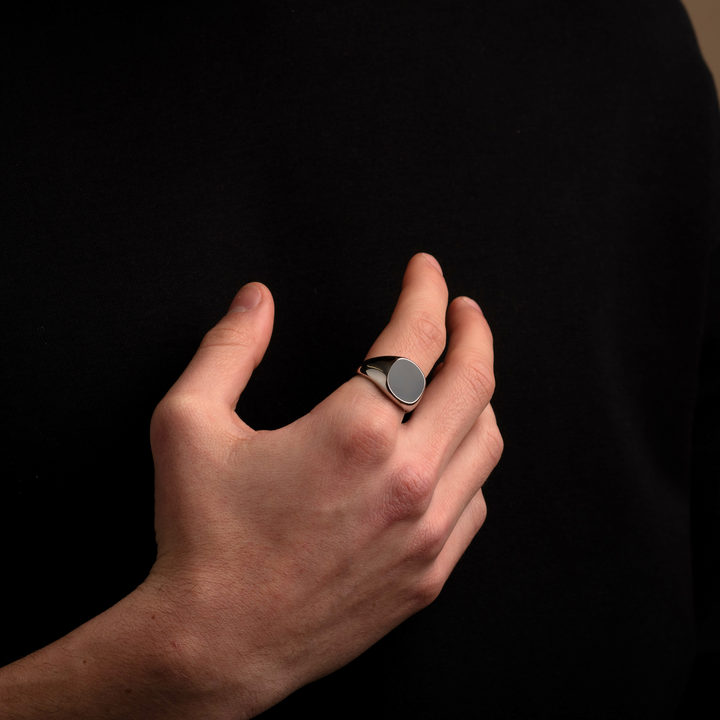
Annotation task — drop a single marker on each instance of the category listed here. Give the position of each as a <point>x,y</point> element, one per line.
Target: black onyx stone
<point>406,381</point>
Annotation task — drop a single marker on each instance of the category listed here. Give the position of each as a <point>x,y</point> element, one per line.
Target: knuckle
<point>428,588</point>
<point>428,332</point>
<point>171,410</point>
<point>478,513</point>
<point>408,495</point>
<point>224,335</point>
<point>172,416</point>
<point>428,541</point>
<point>493,441</point>
<point>479,380</point>
<point>370,439</point>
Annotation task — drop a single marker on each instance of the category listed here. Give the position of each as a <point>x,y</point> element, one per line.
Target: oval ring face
<point>406,381</point>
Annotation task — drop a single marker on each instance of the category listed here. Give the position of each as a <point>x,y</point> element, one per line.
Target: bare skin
<point>284,555</point>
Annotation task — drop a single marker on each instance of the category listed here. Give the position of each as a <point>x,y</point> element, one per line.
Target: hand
<point>283,555</point>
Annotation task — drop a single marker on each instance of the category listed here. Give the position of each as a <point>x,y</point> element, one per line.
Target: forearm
<point>132,661</point>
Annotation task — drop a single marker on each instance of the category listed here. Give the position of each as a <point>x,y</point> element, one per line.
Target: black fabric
<point>560,159</point>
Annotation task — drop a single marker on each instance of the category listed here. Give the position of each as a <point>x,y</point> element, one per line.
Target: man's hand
<point>283,555</point>
<point>288,553</point>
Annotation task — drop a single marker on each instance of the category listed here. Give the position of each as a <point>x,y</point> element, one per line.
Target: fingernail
<point>472,303</point>
<point>246,299</point>
<point>433,261</point>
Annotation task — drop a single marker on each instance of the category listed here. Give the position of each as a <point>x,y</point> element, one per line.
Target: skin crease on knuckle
<point>175,416</point>
<point>428,587</point>
<point>407,494</point>
<point>366,440</point>
<point>478,511</point>
<point>226,335</point>
<point>493,441</point>
<point>477,381</point>
<point>428,539</point>
<point>357,423</point>
<point>184,425</point>
<point>427,333</point>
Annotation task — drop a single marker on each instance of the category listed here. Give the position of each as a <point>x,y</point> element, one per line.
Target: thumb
<point>230,352</point>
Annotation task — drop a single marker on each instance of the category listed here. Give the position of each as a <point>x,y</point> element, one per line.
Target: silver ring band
<point>398,377</point>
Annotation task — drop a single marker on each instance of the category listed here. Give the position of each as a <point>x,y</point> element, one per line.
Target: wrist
<point>206,662</point>
<point>137,659</point>
<point>181,665</point>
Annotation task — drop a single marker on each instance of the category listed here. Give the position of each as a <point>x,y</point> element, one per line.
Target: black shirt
<point>560,159</point>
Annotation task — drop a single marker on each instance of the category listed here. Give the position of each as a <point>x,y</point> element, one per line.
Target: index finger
<point>417,327</point>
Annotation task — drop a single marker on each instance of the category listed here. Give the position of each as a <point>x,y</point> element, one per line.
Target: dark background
<point>561,161</point>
